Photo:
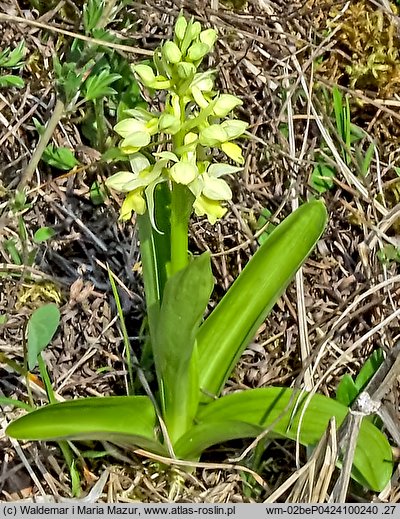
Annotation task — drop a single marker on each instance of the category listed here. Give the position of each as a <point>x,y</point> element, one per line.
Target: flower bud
<point>197,51</point>
<point>168,123</point>
<point>216,188</point>
<point>199,98</point>
<point>209,37</point>
<point>171,52</point>
<point>120,180</point>
<point>128,126</point>
<point>234,128</point>
<point>185,70</point>
<point>212,135</point>
<point>225,104</point>
<point>180,27</point>
<point>145,73</point>
<point>194,30</point>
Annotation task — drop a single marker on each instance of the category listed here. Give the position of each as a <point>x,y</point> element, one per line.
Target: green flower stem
<point>181,207</point>
<point>181,204</point>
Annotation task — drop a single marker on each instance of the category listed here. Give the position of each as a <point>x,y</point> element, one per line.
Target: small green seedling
<point>59,157</point>
<point>41,328</point>
<point>12,59</point>
<point>22,249</point>
<point>389,254</point>
<point>170,173</point>
<point>349,134</point>
<point>322,176</point>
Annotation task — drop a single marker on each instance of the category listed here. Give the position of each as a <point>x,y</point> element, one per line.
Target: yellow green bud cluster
<point>193,124</point>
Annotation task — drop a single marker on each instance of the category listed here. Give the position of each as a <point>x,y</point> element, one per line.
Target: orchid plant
<point>173,174</point>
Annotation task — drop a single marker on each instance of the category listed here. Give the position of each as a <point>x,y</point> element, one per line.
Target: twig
<point>96,41</point>
<point>43,142</point>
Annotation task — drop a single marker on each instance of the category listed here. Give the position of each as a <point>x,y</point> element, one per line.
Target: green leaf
<point>369,369</point>
<point>248,413</point>
<point>11,81</point>
<point>321,177</point>
<point>97,193</point>
<point>92,11</point>
<point>185,300</point>
<point>346,391</point>
<point>338,109</point>
<point>13,58</point>
<point>10,246</point>
<point>118,418</point>
<point>40,128</point>
<point>261,222</point>
<point>225,334</point>
<point>43,234</point>
<point>357,133</point>
<point>61,158</point>
<point>98,85</point>
<point>41,328</point>
<point>366,163</point>
<point>69,78</point>
<point>15,403</point>
<point>388,253</point>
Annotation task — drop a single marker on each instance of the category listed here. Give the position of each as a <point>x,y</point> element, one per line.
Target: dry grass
<point>276,56</point>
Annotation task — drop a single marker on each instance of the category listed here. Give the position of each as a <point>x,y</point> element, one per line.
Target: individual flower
<point>184,170</point>
<point>220,135</point>
<point>211,191</point>
<point>136,131</point>
<point>213,209</point>
<point>134,202</point>
<point>141,180</point>
<point>224,104</point>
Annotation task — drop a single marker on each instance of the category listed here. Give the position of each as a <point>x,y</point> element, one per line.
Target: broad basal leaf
<point>248,413</point>
<point>223,337</point>
<point>186,296</point>
<point>129,419</point>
